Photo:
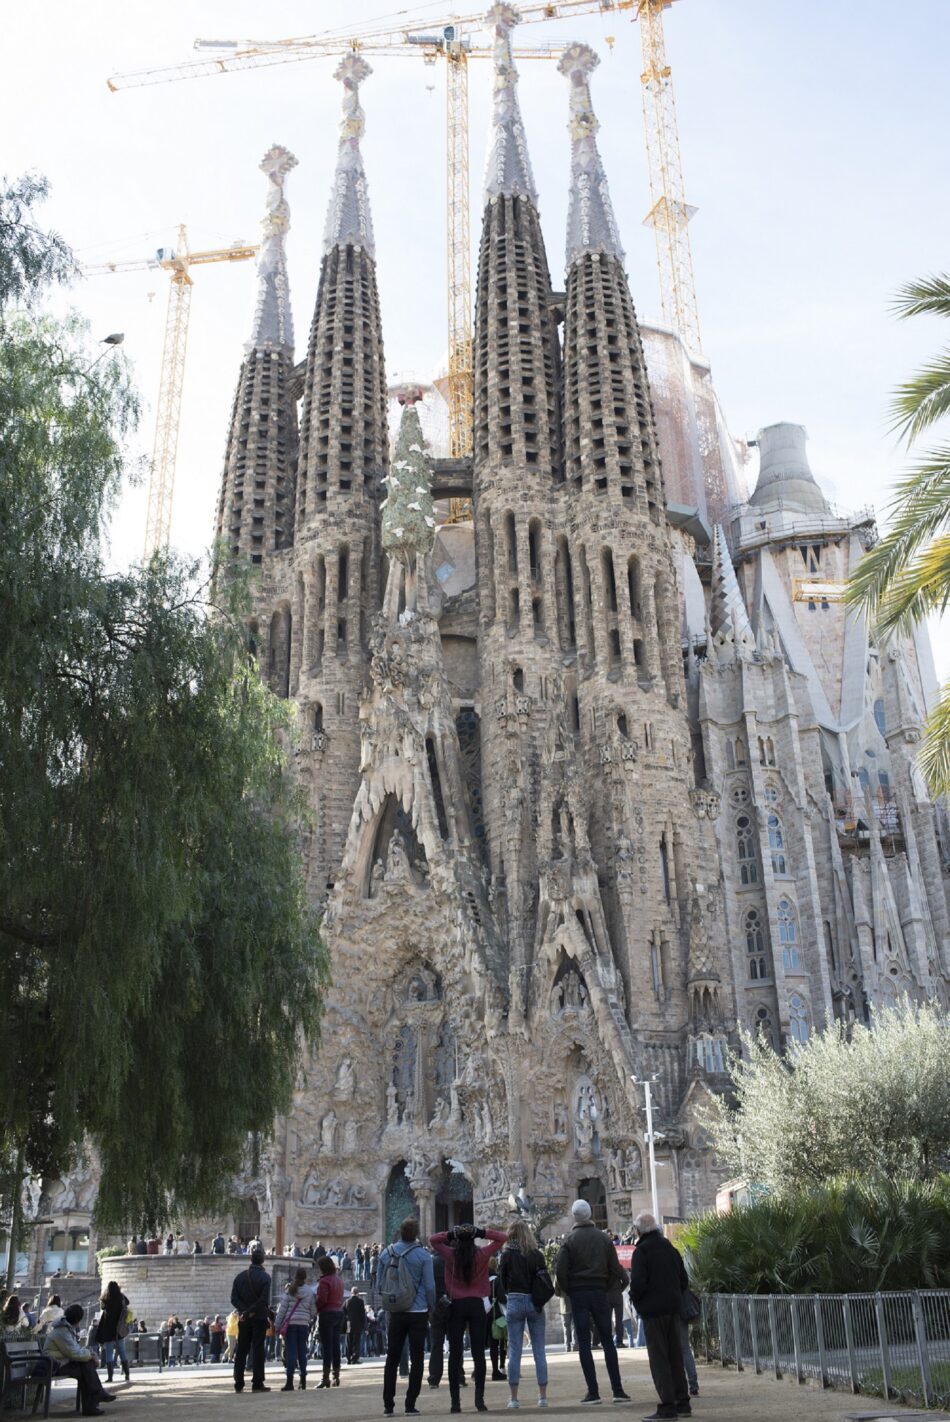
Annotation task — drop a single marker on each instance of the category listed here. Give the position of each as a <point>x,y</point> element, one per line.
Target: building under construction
<point>600,771</point>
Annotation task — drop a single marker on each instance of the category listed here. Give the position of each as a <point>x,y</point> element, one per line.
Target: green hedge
<point>845,1237</point>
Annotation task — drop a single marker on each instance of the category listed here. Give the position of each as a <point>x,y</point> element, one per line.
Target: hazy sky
<point>814,143</point>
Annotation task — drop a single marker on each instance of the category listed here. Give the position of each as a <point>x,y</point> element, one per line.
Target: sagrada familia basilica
<point>601,772</point>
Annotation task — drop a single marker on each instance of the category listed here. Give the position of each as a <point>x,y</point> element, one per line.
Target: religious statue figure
<point>440,1114</point>
<point>633,1171</point>
<point>392,1105</point>
<point>310,1193</point>
<point>560,1116</point>
<point>328,1132</point>
<point>345,1080</point>
<point>585,1122</point>
<point>351,1133</point>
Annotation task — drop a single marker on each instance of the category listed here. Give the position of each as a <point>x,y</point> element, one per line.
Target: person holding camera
<point>466,1282</point>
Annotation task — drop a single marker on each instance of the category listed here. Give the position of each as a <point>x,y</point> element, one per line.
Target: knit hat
<point>581,1210</point>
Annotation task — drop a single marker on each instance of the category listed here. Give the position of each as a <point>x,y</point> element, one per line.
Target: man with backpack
<point>406,1285</point>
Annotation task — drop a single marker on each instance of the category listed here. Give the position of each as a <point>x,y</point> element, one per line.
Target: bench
<point>17,1361</point>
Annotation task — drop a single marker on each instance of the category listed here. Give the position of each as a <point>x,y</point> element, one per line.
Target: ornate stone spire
<point>408,521</point>
<point>348,220</point>
<point>508,167</point>
<point>591,225</point>
<point>733,637</point>
<point>273,328</point>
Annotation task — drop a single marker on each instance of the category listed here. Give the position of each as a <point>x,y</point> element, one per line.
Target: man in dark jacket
<point>355,1310</point>
<point>657,1281</point>
<point>250,1295</point>
<point>585,1268</point>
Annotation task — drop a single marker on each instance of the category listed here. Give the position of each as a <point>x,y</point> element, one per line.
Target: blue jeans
<point>295,1350</point>
<point>109,1351</point>
<point>587,1305</point>
<point>520,1310</point>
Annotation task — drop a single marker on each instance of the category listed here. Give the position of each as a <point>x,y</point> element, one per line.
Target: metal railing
<point>893,1345</point>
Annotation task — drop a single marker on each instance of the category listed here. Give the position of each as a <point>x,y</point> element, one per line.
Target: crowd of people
<point>483,1289</point>
<point>361,1262</point>
<point>487,1287</point>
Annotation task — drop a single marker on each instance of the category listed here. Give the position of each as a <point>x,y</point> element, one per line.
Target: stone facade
<point>590,801</point>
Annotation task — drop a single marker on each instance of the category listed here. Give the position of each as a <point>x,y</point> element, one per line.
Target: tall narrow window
<point>534,548</point>
<point>665,869</point>
<point>788,936</point>
<point>745,850</point>
<point>798,1019</point>
<point>755,947</point>
<point>777,845</point>
<point>633,586</point>
<point>512,542</point>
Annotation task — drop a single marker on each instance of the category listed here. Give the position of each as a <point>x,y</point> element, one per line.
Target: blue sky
<point>813,138</point>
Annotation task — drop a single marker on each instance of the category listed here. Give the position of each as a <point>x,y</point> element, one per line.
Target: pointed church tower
<point>343,455</point>
<point>517,467</point>
<point>630,714</point>
<point>256,504</point>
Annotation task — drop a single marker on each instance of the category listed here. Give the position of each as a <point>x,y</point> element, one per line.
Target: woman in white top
<point>297,1310</point>
<point>181,1245</point>
<point>51,1314</point>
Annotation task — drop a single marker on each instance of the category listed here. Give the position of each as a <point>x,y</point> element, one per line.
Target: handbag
<point>499,1328</point>
<point>690,1307</point>
<point>124,1324</point>
<point>542,1287</point>
<point>282,1330</point>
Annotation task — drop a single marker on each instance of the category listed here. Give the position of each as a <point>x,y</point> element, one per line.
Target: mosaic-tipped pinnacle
<point>352,70</point>
<point>503,15</point>
<point>578,58</point>
<point>277,161</point>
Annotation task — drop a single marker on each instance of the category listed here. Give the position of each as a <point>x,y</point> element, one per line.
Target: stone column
<point>424,1191</point>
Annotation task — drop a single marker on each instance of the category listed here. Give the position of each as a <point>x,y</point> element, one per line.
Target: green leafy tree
<point>874,1102</point>
<point>159,962</point>
<point>906,576</point>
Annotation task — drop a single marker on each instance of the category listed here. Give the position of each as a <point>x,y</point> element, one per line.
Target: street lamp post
<point>647,1084</point>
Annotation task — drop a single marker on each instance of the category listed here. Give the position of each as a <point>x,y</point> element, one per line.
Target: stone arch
<point>398,1201</point>
<point>391,822</point>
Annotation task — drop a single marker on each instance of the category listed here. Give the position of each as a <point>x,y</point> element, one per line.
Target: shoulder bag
<point>542,1286</point>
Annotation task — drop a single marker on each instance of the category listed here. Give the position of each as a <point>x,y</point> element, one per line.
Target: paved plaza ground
<point>207,1394</point>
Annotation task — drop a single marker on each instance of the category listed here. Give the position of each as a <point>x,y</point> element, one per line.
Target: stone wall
<point>159,1285</point>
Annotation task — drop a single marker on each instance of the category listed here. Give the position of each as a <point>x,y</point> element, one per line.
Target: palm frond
<point>920,588</point>
<point>924,399</point>
<point>929,295</point>
<point>935,752</point>
<point>920,507</point>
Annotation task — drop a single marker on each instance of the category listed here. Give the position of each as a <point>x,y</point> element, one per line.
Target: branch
<point>27,935</point>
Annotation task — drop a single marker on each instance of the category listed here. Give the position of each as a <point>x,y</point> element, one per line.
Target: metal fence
<point>893,1345</point>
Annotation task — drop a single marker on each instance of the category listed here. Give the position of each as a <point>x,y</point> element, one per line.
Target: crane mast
<point>161,483</point>
<point>161,479</point>
<point>669,213</point>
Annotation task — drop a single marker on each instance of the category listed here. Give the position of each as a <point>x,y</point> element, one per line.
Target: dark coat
<point>107,1329</point>
<point>250,1292</point>
<point>355,1310</point>
<point>587,1259</point>
<point>657,1277</point>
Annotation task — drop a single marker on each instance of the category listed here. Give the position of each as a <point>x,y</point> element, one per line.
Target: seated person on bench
<point>71,1360</point>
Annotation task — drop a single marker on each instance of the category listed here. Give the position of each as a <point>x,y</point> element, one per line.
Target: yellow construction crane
<point>454,41</point>
<point>178,261</point>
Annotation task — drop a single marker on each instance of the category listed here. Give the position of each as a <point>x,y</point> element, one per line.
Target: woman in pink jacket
<point>466,1281</point>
